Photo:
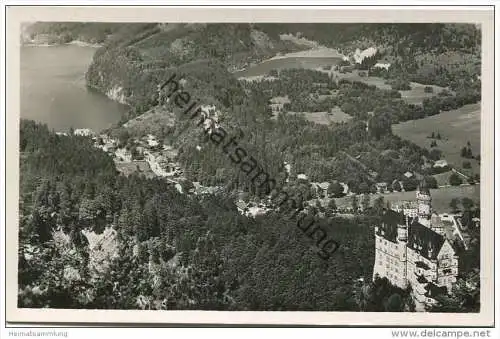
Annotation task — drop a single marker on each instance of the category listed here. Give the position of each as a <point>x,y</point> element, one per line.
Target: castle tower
<point>403,230</point>
<point>424,204</point>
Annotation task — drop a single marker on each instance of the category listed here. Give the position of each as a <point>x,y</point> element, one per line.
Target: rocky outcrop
<point>103,248</point>
<point>116,93</point>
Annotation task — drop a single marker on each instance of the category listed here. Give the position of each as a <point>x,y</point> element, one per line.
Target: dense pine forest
<point>163,249</point>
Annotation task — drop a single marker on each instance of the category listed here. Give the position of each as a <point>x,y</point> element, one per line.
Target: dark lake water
<point>53,89</point>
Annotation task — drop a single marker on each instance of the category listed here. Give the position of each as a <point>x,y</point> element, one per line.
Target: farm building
<point>381,187</point>
<point>441,163</point>
<point>382,65</point>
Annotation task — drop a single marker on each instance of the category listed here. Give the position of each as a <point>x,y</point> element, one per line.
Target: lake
<point>53,89</point>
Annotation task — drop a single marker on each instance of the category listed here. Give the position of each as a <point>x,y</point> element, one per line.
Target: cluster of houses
<point>163,162</point>
<point>161,158</point>
<point>253,209</point>
<point>384,187</point>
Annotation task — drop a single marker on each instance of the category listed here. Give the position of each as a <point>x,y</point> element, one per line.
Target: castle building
<point>409,208</point>
<point>413,250</point>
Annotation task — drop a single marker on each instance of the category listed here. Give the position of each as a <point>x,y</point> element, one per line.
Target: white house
<point>302,176</point>
<point>345,187</point>
<point>381,187</point>
<point>381,65</point>
<point>359,55</point>
<point>152,142</point>
<point>321,188</point>
<point>84,132</point>
<point>441,163</point>
<point>408,174</point>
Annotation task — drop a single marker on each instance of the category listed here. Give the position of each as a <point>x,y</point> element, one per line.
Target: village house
<point>382,65</point>
<point>359,55</point>
<point>241,206</point>
<point>110,148</point>
<point>408,175</point>
<point>122,154</point>
<point>441,163</point>
<point>412,250</point>
<point>199,189</point>
<point>169,152</point>
<point>321,188</point>
<point>345,188</point>
<point>151,140</point>
<point>302,176</point>
<point>381,187</point>
<point>85,132</point>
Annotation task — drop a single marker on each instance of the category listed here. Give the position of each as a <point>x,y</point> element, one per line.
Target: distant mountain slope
<point>141,52</point>
<point>136,57</point>
<point>62,32</point>
<point>422,37</point>
<point>134,64</point>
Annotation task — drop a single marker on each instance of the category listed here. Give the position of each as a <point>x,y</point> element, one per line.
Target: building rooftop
<point>241,204</point>
<point>408,174</point>
<point>324,185</point>
<point>441,163</point>
<point>422,239</point>
<point>393,217</point>
<point>302,176</point>
<point>389,227</point>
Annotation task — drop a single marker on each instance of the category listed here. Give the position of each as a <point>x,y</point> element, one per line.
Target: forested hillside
<point>165,250</point>
<point>62,32</point>
<point>418,51</point>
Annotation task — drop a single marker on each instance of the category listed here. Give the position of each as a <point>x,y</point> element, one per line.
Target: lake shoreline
<point>54,90</point>
<point>74,42</point>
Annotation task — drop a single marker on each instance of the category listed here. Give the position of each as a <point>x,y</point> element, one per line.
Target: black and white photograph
<point>252,166</point>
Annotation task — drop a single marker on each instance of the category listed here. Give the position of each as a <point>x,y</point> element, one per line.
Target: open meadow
<point>336,115</point>
<point>414,96</point>
<point>440,197</point>
<point>417,93</point>
<point>140,167</point>
<point>456,128</point>
<point>443,179</point>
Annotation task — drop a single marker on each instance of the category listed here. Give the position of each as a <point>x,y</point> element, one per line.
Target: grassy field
<point>414,96</point>
<point>456,127</point>
<point>150,122</point>
<point>417,94</point>
<point>354,76</point>
<point>443,178</point>
<point>440,197</point>
<point>325,118</point>
<point>287,62</point>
